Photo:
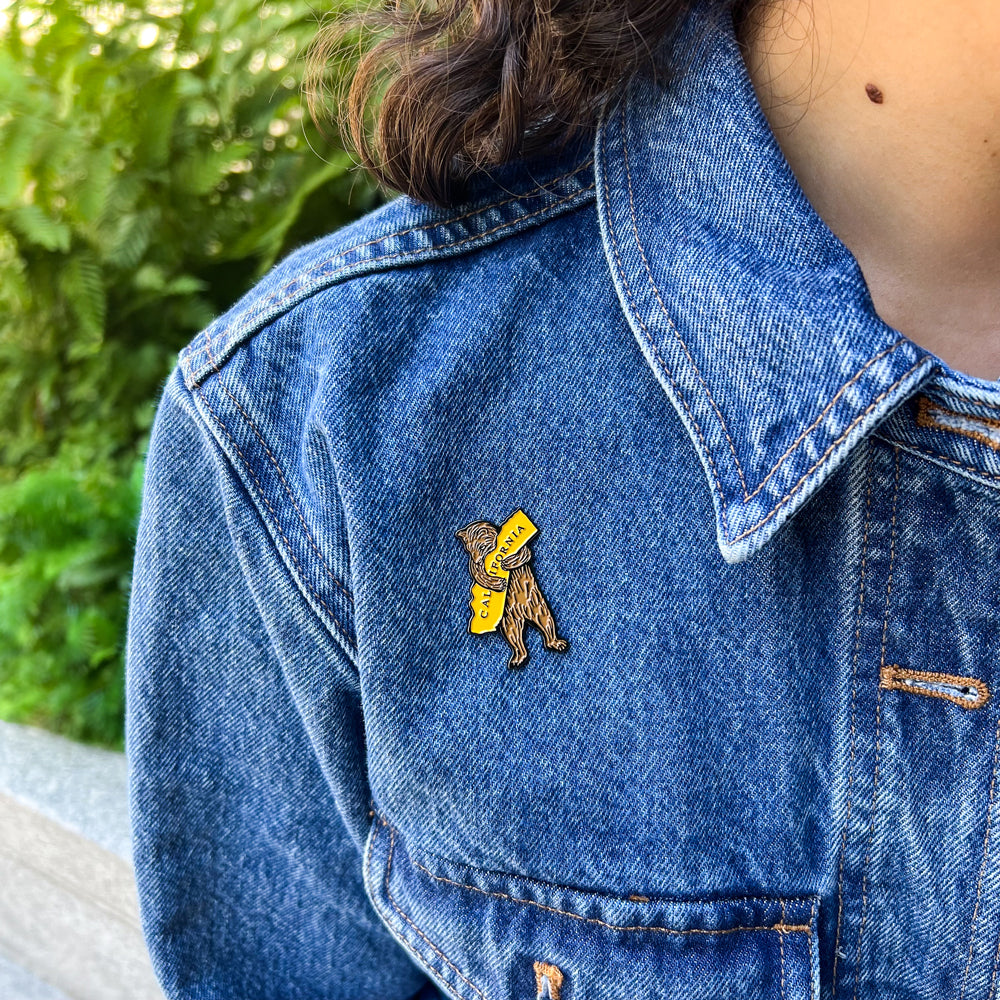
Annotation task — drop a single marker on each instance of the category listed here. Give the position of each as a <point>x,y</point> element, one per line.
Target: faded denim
<point>768,528</point>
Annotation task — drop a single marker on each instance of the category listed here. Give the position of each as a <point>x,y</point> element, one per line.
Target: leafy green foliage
<point>155,160</point>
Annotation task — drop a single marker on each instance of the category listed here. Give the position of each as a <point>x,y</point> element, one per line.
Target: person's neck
<point>909,181</point>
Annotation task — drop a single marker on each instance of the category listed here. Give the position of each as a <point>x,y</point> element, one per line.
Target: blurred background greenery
<point>155,160</point>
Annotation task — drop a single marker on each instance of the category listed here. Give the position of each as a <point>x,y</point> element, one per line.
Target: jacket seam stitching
<point>781,948</point>
<point>861,416</point>
<point>996,957</point>
<point>330,277</point>
<point>826,409</point>
<point>399,910</point>
<point>854,699</point>
<point>382,915</point>
<point>971,402</point>
<point>780,927</point>
<point>812,918</point>
<point>612,232</point>
<point>907,446</point>
<point>474,211</point>
<point>747,496</point>
<point>210,342</point>
<point>983,864</point>
<point>281,475</point>
<point>597,894</point>
<point>878,732</point>
<point>288,548</point>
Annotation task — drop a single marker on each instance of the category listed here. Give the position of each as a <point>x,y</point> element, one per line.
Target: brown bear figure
<point>525,601</point>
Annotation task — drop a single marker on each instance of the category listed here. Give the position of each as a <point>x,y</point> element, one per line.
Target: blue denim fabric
<point>765,767</point>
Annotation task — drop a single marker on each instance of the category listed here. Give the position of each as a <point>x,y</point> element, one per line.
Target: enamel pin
<point>505,593</point>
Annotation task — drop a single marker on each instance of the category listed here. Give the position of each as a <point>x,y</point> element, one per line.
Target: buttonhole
<point>548,981</point>
<point>966,692</point>
<point>986,430</point>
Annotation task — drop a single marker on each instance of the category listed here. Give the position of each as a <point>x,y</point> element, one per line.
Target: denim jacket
<point>582,594</point>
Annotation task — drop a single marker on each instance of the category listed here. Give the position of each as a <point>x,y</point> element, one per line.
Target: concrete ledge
<point>82,788</point>
<point>16,984</point>
<point>69,914</point>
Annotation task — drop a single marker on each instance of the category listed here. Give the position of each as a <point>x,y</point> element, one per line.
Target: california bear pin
<point>505,592</point>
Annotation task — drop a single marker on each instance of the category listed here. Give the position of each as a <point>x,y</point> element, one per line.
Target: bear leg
<point>513,632</point>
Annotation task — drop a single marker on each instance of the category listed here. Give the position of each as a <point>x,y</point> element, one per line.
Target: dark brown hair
<point>453,87</point>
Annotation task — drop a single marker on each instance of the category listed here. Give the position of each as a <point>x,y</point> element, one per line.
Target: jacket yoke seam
<point>417,250</point>
<point>424,227</point>
<point>284,482</point>
<point>345,635</point>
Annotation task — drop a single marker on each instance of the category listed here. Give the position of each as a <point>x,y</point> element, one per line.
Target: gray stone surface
<point>16,984</point>
<point>69,916</point>
<point>83,788</point>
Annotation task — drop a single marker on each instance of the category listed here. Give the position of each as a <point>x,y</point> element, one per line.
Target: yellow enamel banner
<point>487,605</point>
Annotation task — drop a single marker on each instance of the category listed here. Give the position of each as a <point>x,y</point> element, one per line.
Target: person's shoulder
<point>390,243</point>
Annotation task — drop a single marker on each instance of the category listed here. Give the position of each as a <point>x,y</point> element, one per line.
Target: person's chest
<point>761,779</point>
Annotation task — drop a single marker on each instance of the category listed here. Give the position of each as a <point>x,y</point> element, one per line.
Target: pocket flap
<point>484,935</point>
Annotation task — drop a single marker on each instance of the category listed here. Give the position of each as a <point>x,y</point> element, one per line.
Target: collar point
<point>745,525</point>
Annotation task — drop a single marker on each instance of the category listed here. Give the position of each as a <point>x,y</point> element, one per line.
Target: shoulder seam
<point>343,629</point>
<point>206,353</point>
<point>479,209</point>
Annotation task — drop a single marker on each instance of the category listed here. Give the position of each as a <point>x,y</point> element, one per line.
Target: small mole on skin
<point>874,94</point>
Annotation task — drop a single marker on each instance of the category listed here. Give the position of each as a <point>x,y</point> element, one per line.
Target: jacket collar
<point>755,318</point>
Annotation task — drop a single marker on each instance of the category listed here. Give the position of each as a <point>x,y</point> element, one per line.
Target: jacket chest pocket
<point>485,935</point>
